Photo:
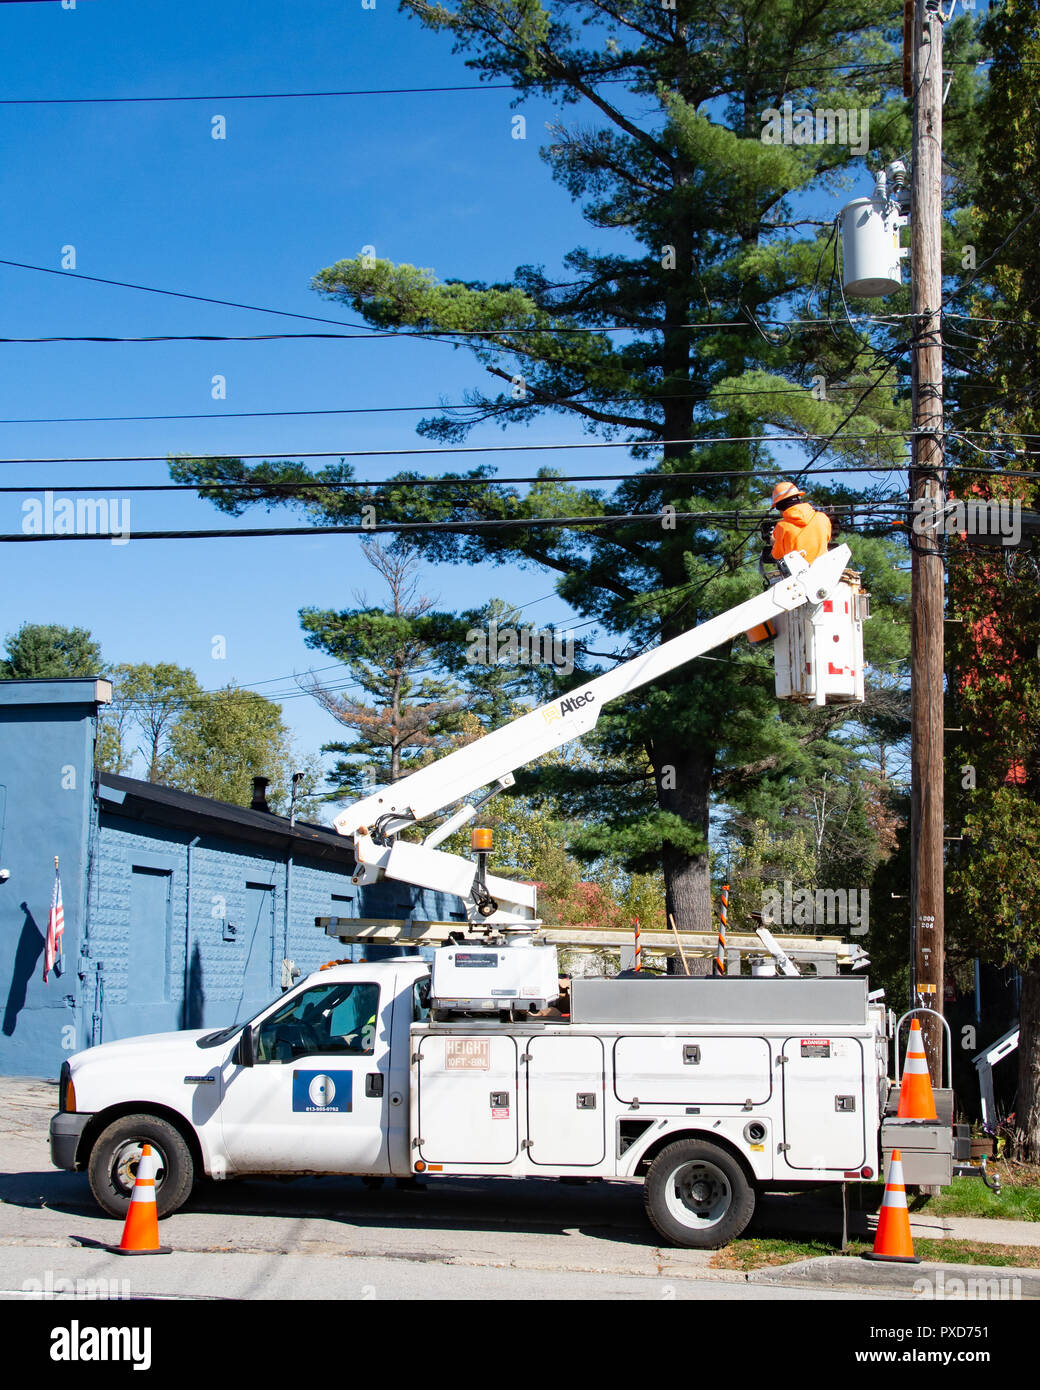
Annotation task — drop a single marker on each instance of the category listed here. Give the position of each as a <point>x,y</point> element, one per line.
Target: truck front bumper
<point>66,1132</point>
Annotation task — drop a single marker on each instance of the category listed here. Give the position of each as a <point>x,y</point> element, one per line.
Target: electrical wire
<point>419,527</point>
<point>597,79</point>
<point>800,438</point>
<point>323,485</point>
<point>373,335</point>
<point>695,393</point>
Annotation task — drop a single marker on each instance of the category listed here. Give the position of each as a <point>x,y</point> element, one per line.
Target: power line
<point>138,705</point>
<point>694,393</point>
<point>177,294</point>
<point>472,449</point>
<point>419,527</point>
<point>400,91</point>
<point>371,335</point>
<point>324,485</point>
<point>435,335</point>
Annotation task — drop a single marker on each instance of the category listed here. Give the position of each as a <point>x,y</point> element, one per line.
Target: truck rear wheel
<point>698,1195</point>
<point>113,1164</point>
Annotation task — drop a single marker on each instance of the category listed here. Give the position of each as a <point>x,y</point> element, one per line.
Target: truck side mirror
<point>245,1052</point>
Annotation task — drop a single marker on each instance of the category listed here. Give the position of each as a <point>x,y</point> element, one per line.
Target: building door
<point>148,964</point>
<point>257,940</point>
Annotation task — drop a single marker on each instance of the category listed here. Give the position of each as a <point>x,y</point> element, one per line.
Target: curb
<point>945,1281</point>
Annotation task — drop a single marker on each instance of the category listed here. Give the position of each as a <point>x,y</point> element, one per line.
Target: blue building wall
<point>142,953</point>
<point>47,733</point>
<point>234,952</point>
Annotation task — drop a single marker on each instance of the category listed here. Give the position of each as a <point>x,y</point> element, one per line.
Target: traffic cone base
<point>916,1101</point>
<point>141,1229</point>
<point>893,1242</point>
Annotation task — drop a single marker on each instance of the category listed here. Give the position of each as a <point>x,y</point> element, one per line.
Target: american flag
<point>55,930</point>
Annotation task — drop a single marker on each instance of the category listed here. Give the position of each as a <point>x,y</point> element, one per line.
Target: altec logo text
<point>576,702</point>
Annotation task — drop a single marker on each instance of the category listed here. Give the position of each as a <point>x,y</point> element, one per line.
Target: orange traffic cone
<point>141,1231</point>
<point>916,1101</point>
<point>893,1241</point>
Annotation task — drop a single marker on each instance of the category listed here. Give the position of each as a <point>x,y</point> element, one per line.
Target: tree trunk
<point>1027,1104</point>
<point>683,788</point>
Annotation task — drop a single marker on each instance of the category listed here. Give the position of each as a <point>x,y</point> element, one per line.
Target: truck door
<point>565,1120</point>
<point>824,1103</point>
<point>314,1101</point>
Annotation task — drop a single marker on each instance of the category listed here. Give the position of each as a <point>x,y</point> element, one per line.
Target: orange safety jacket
<point>803,528</point>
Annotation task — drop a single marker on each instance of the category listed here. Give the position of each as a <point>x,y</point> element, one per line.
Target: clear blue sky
<point>145,194</point>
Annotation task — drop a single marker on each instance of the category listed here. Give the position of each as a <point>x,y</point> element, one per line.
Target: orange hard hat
<point>783,491</point>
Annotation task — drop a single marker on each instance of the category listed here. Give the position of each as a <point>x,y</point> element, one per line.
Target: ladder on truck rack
<point>827,954</point>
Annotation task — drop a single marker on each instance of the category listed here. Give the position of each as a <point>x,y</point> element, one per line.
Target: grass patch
<point>760,1253</point>
<point>1019,1198</point>
<point>968,1252</point>
<point>747,1255</point>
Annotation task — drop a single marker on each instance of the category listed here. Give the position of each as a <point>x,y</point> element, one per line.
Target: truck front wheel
<point>113,1164</point>
<point>698,1195</point>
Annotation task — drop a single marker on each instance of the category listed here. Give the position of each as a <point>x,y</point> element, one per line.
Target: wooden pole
<point>927,481</point>
<point>678,942</point>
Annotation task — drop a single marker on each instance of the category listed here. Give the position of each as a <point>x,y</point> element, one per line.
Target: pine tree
<point>411,710</point>
<point>48,651</point>
<point>710,251</point>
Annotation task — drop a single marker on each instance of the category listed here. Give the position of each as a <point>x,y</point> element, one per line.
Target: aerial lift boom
<point>375,821</point>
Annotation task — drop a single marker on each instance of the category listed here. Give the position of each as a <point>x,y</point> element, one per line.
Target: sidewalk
<point>785,1215</point>
<point>993,1283</point>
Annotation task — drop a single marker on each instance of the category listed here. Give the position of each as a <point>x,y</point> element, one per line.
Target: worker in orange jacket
<point>801,527</point>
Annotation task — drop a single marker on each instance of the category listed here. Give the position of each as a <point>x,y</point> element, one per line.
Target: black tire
<point>698,1195</point>
<point>113,1164</point>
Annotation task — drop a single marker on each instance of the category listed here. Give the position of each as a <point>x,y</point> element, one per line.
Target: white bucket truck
<point>709,1089</point>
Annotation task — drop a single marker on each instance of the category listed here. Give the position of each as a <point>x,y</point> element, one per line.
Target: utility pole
<point>927,481</point>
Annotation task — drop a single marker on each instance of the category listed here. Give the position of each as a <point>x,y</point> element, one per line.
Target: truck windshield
<point>226,1034</point>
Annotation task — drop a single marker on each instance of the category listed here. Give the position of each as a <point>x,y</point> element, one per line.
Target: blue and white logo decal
<point>323,1092</point>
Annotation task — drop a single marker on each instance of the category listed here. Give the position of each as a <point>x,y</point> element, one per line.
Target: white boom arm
<point>375,819</point>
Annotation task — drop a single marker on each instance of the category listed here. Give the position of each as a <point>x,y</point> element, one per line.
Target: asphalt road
<point>336,1238</point>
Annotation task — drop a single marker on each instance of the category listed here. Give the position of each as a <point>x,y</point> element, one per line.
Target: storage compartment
<point>466,1099</point>
<point>926,1149</point>
<point>805,1002</point>
<point>824,1104</point>
<point>566,1125</point>
<point>486,979</point>
<point>692,1070</point>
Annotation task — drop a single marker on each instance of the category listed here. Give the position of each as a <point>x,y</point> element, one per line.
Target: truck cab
<point>317,1082</point>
